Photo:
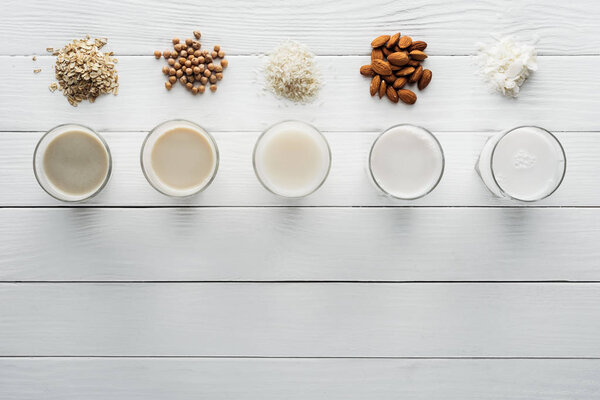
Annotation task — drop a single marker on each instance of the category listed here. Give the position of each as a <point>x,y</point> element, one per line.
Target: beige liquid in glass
<point>182,158</point>
<point>76,163</point>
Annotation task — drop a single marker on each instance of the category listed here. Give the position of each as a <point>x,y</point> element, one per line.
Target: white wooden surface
<point>238,294</point>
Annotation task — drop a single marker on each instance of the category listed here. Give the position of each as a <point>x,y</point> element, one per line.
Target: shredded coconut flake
<point>506,65</point>
<point>291,72</point>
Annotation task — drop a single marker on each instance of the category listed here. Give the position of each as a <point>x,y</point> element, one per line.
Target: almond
<point>382,89</point>
<point>374,85</point>
<point>381,67</point>
<point>386,51</point>
<point>416,75</point>
<point>418,45</point>
<point>366,70</point>
<point>376,54</point>
<point>405,71</point>
<point>407,96</point>
<point>391,94</point>
<point>399,83</point>
<point>393,40</point>
<point>398,58</point>
<point>425,79</point>
<point>380,41</point>
<point>418,55</point>
<point>414,63</point>
<point>404,42</point>
<point>389,79</point>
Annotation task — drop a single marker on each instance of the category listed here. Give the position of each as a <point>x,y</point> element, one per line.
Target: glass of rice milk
<point>179,158</point>
<point>527,163</point>
<point>292,159</point>
<point>406,162</point>
<point>72,163</point>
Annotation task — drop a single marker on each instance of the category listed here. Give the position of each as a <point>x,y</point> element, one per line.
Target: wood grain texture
<point>298,379</point>
<point>290,320</point>
<point>334,27</point>
<point>349,182</point>
<point>456,100</point>
<point>314,244</point>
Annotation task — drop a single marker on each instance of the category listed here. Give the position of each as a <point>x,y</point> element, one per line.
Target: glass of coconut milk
<point>72,163</point>
<point>292,159</point>
<point>179,158</point>
<point>527,163</point>
<point>406,162</point>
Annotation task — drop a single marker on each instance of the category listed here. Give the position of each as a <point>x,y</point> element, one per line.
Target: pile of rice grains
<point>192,67</point>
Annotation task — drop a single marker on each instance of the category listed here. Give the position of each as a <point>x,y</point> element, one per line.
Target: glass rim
<point>438,180</point>
<point>96,135</point>
<point>213,143</point>
<point>560,146</point>
<point>329,158</point>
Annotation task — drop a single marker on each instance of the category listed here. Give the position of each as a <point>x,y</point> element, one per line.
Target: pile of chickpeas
<point>193,68</point>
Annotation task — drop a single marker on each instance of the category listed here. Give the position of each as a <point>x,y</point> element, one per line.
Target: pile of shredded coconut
<point>291,72</point>
<point>506,65</point>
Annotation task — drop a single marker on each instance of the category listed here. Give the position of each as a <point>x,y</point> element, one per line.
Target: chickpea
<point>191,78</point>
<point>183,53</point>
<point>171,61</point>
<point>202,68</point>
<point>179,73</point>
<point>201,60</point>
<point>183,80</point>
<point>190,57</point>
<point>189,71</point>
<point>201,89</point>
<point>188,63</point>
<point>213,88</point>
<point>175,40</point>
<point>217,47</point>
<point>166,54</point>
<point>207,73</point>
<point>221,54</point>
<point>204,80</point>
<point>157,54</point>
<point>218,68</point>
<point>168,85</point>
<point>188,42</point>
<point>194,90</point>
<point>181,60</point>
<point>189,86</point>
<point>219,75</point>
<point>197,53</point>
<point>196,45</point>
<point>214,54</point>
<point>195,61</point>
<point>172,71</point>
<point>212,79</point>
<point>177,47</point>
<point>196,70</point>
<point>198,77</point>
<point>165,70</point>
<point>191,50</point>
<point>208,59</point>
<point>224,63</point>
<point>172,79</point>
<point>211,66</point>
<point>197,34</point>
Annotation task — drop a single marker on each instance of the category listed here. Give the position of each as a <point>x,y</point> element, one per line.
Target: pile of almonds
<point>192,67</point>
<point>396,61</point>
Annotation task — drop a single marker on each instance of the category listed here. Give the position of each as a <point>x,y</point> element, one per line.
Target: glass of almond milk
<point>292,159</point>
<point>72,163</point>
<point>527,163</point>
<point>406,162</point>
<point>179,158</point>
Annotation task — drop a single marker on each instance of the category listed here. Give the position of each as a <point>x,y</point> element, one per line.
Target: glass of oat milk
<point>406,162</point>
<point>527,163</point>
<point>72,163</point>
<point>179,158</point>
<point>292,159</point>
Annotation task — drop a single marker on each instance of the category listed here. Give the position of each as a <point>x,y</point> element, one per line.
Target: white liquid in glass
<point>406,161</point>
<point>526,163</point>
<point>292,159</point>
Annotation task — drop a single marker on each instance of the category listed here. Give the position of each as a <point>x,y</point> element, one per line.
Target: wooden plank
<point>456,100</point>
<point>306,319</point>
<point>327,379</point>
<point>328,27</point>
<point>299,244</point>
<point>349,182</point>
